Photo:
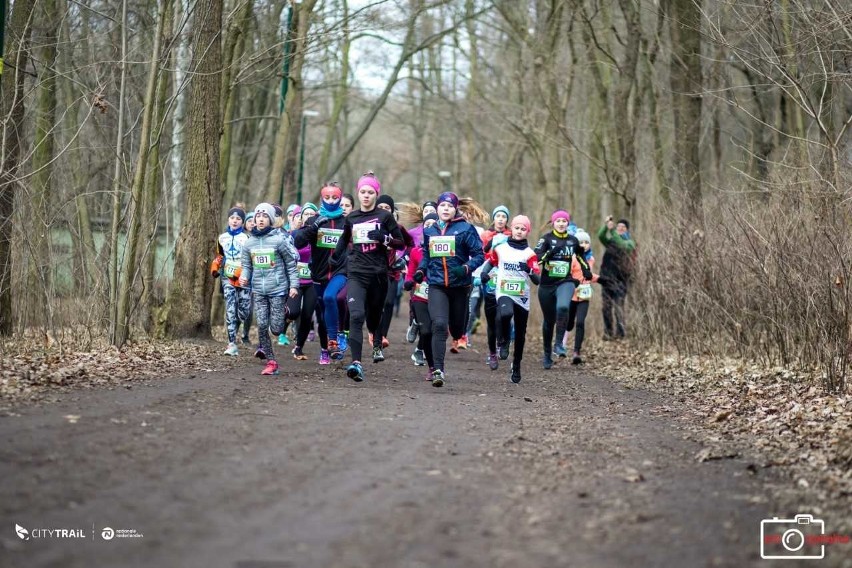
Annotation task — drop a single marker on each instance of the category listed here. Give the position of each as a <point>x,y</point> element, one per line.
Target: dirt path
<point>311,469</point>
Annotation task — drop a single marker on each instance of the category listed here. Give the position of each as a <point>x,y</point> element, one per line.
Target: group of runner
<point>338,266</point>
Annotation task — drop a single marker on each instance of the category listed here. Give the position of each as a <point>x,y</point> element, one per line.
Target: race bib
<point>422,291</point>
<point>327,238</point>
<point>513,286</point>
<point>231,267</point>
<point>263,258</point>
<point>441,247</point>
<point>304,270</point>
<point>558,268</point>
<point>359,233</point>
<point>584,291</point>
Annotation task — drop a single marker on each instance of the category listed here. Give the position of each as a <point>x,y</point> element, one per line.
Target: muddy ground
<point>228,468</point>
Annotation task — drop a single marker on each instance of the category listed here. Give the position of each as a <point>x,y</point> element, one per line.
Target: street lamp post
<point>446,179</point>
<point>305,115</point>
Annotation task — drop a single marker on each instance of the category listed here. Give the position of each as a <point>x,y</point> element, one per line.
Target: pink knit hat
<point>521,220</point>
<point>369,179</point>
<point>560,214</point>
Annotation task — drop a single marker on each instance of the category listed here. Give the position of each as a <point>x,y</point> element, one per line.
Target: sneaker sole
<point>437,382</point>
<point>354,375</point>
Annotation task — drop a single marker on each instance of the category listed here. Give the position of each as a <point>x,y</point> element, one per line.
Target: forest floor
<point>631,459</point>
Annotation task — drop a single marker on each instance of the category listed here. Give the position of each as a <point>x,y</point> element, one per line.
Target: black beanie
<point>387,199</point>
<point>237,211</point>
<point>625,223</point>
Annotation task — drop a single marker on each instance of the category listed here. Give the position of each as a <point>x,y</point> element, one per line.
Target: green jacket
<point>611,237</point>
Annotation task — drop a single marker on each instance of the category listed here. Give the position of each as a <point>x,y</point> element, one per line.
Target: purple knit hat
<point>450,198</point>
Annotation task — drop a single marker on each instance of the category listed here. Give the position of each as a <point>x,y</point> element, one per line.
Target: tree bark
<point>12,107</point>
<point>187,309</point>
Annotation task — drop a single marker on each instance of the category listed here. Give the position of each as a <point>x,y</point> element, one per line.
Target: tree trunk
<point>187,309</point>
<point>686,80</point>
<point>290,121</point>
<point>41,286</point>
<point>178,152</point>
<point>340,93</point>
<point>130,270</point>
<point>12,107</point>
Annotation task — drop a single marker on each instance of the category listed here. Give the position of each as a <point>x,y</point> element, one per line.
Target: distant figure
<point>616,272</point>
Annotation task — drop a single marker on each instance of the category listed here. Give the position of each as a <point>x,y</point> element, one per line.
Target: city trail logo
<point>107,533</point>
<point>25,534</point>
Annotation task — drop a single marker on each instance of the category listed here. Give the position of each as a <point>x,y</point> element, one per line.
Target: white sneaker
<point>232,350</point>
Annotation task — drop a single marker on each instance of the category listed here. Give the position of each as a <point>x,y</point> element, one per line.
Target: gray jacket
<point>269,264</point>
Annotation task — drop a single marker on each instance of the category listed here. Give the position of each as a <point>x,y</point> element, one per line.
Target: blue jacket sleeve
<point>477,256</point>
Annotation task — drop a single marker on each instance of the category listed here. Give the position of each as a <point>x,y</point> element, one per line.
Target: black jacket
<point>554,253</point>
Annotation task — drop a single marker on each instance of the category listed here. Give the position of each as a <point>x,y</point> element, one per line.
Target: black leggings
<point>490,302</point>
<point>555,304</point>
<point>577,318</point>
<point>506,310</point>
<point>448,309</point>
<point>421,315</point>
<point>387,312</point>
<point>365,298</point>
<point>310,306</point>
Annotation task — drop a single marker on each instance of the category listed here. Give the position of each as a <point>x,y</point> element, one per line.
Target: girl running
<point>451,252</point>
<point>555,251</point>
<point>308,291</point>
<point>269,264</point>
<point>371,231</point>
<point>581,270</point>
<point>500,231</point>
<point>517,266</point>
<point>227,267</point>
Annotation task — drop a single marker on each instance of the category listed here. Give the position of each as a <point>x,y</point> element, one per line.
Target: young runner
<point>581,270</point>
<point>451,252</point>
<point>517,266</point>
<point>498,232</point>
<point>371,231</point>
<point>227,267</point>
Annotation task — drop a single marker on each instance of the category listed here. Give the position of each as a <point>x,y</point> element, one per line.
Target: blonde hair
<point>474,212</point>
<point>410,213</point>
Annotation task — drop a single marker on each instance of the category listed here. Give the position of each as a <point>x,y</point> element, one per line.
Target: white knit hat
<point>265,208</point>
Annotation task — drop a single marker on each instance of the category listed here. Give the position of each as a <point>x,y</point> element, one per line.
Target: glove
<point>418,277</point>
<point>485,277</point>
<point>216,265</point>
<point>524,267</point>
<point>319,220</point>
<point>408,285</point>
<point>458,271</point>
<point>400,263</point>
<point>379,236</point>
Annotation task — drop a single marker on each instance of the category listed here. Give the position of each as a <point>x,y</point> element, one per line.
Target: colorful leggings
<point>237,309</point>
<point>271,312</point>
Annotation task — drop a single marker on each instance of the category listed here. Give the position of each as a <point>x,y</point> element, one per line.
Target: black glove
<point>400,263</point>
<point>215,274</point>
<point>524,267</point>
<point>418,277</point>
<point>458,271</point>
<point>408,285</point>
<point>485,277</point>
<point>379,235</point>
<point>319,220</point>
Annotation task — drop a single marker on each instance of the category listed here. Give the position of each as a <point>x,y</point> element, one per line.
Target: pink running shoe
<point>270,369</point>
<point>324,359</point>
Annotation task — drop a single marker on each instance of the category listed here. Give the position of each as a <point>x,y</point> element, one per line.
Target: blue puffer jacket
<point>457,244</point>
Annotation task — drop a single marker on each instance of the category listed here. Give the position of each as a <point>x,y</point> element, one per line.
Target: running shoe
<point>576,360</point>
<point>298,355</point>
<point>454,347</point>
<point>492,361</point>
<point>260,354</point>
<point>437,378</point>
<point>547,361</point>
<point>378,356</point>
<point>463,342</point>
<point>270,369</point>
<point>559,349</point>
<point>413,330</point>
<point>231,350</point>
<point>355,372</point>
<point>515,377</point>
<point>418,357</point>
<point>342,341</point>
<point>429,374</point>
<point>503,350</point>
<point>324,358</point>
<point>283,339</point>
<point>334,350</point>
